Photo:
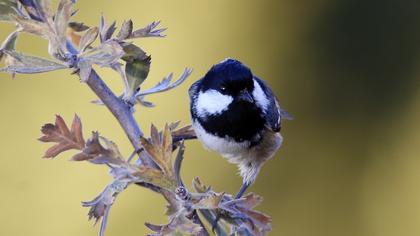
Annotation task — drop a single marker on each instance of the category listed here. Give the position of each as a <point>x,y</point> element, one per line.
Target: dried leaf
<point>154,177</point>
<point>34,27</point>
<point>105,32</point>
<point>179,225</point>
<point>250,201</point>
<point>126,30</point>
<point>60,133</point>
<point>144,103</point>
<point>178,162</point>
<point>172,126</point>
<point>7,10</point>
<point>199,186</point>
<point>184,133</point>
<point>97,153</point>
<point>160,149</point>
<point>78,26</point>
<point>9,44</point>
<point>253,221</point>
<point>44,8</point>
<point>85,68</point>
<point>104,55</point>
<point>100,206</point>
<point>210,202</point>
<point>259,220</point>
<point>88,38</point>
<point>165,84</point>
<point>31,8</point>
<point>26,64</point>
<point>61,20</point>
<point>149,31</point>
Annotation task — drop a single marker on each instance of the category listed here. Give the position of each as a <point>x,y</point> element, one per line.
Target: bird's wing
<point>193,90</point>
<point>274,113</point>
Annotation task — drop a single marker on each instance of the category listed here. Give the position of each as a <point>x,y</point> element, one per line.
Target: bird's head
<point>227,83</point>
<point>230,78</point>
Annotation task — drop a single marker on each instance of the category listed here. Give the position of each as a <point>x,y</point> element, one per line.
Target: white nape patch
<point>259,96</point>
<point>212,102</point>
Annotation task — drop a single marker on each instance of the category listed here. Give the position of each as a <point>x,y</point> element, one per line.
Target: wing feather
<point>274,113</point>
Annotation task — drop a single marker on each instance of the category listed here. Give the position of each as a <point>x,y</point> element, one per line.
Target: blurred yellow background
<point>347,70</point>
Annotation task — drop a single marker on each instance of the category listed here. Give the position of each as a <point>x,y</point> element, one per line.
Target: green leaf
<point>7,9</point>
<point>126,30</point>
<point>137,67</point>
<point>137,72</point>
<point>9,43</point>
<point>26,64</point>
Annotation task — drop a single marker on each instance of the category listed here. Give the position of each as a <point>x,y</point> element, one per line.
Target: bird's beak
<point>244,96</point>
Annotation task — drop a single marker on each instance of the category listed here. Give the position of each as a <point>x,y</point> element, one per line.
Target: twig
<point>123,114</point>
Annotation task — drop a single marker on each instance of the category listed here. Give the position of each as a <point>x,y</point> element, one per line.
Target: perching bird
<point>236,114</point>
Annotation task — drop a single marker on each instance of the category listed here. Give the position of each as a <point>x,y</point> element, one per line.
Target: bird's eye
<point>223,88</point>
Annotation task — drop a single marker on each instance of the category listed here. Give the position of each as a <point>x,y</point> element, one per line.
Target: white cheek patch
<point>212,102</point>
<point>259,96</point>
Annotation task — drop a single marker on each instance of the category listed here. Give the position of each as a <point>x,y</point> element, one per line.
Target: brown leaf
<point>250,201</point>
<point>97,153</point>
<point>183,133</point>
<point>209,202</point>
<point>78,26</point>
<point>260,220</point>
<point>179,225</point>
<point>160,149</point>
<point>199,186</point>
<point>154,177</point>
<point>60,133</point>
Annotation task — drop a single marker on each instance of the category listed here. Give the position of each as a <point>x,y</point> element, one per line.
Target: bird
<point>236,114</point>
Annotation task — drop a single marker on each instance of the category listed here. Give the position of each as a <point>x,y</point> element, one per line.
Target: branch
<point>123,114</point>
<point>120,110</point>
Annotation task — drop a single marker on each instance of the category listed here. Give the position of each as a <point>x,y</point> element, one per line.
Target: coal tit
<point>236,114</point>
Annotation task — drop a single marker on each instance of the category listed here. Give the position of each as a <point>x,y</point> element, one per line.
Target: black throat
<point>241,122</point>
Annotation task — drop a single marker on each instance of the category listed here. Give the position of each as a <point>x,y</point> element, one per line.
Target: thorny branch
<point>72,45</point>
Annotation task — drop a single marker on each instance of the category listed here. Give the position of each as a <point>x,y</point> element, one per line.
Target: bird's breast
<point>240,122</point>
